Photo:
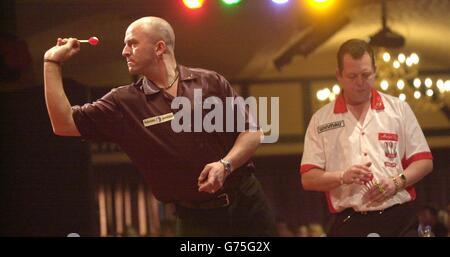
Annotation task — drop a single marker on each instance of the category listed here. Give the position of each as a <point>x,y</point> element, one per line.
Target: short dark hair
<point>356,48</point>
<point>432,209</point>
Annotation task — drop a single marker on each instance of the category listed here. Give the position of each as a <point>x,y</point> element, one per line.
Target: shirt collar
<point>186,73</point>
<point>150,88</point>
<point>376,102</point>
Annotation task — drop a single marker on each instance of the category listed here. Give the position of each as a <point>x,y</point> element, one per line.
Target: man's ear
<point>161,48</point>
<point>338,74</point>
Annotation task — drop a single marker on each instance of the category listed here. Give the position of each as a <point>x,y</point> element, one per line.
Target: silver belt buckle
<point>227,199</point>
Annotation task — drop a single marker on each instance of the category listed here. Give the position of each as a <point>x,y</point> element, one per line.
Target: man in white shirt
<point>365,151</point>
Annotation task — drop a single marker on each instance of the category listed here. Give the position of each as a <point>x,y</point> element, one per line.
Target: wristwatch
<point>403,178</point>
<point>226,165</point>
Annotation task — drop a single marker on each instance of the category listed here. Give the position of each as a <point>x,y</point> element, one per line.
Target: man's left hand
<point>380,191</point>
<point>211,178</point>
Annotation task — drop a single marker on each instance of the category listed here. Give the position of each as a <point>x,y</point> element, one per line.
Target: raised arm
<point>58,106</point>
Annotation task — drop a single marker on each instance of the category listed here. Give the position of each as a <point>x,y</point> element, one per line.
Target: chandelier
<point>398,75</point>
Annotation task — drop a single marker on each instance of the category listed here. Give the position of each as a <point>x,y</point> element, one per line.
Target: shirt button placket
<point>364,152</point>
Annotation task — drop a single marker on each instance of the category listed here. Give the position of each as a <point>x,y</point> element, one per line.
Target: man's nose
<point>125,51</point>
<point>359,80</point>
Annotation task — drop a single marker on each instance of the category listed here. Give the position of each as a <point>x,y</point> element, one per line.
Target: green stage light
<point>231,2</point>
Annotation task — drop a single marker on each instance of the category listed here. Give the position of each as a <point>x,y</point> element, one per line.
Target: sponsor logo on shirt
<point>330,126</point>
<point>158,119</point>
<point>390,164</point>
<point>388,136</point>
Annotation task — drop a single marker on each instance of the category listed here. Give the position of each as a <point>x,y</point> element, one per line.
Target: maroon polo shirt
<point>170,162</point>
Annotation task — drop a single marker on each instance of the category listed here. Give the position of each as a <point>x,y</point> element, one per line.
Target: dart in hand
<point>92,41</point>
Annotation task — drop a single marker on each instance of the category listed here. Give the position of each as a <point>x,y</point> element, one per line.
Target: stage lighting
<point>193,4</point>
<point>231,2</point>
<point>280,1</point>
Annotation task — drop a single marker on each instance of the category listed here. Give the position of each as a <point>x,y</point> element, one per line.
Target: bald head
<point>157,29</point>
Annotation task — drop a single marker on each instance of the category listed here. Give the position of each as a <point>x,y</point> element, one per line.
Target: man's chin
<point>357,100</point>
<point>132,71</point>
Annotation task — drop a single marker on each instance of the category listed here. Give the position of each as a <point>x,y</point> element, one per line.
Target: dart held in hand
<point>92,41</point>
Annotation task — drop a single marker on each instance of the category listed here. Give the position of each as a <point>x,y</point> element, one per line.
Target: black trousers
<point>248,214</point>
<point>398,220</point>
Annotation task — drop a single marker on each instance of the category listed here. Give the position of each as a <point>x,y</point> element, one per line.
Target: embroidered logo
<point>389,145</point>
<point>390,149</point>
<point>330,126</point>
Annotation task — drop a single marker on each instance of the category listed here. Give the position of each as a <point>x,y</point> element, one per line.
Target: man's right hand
<point>65,48</point>
<point>359,174</point>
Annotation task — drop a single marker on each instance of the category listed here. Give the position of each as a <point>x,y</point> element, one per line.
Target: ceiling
<point>424,23</point>
<point>217,38</point>
<point>240,42</point>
